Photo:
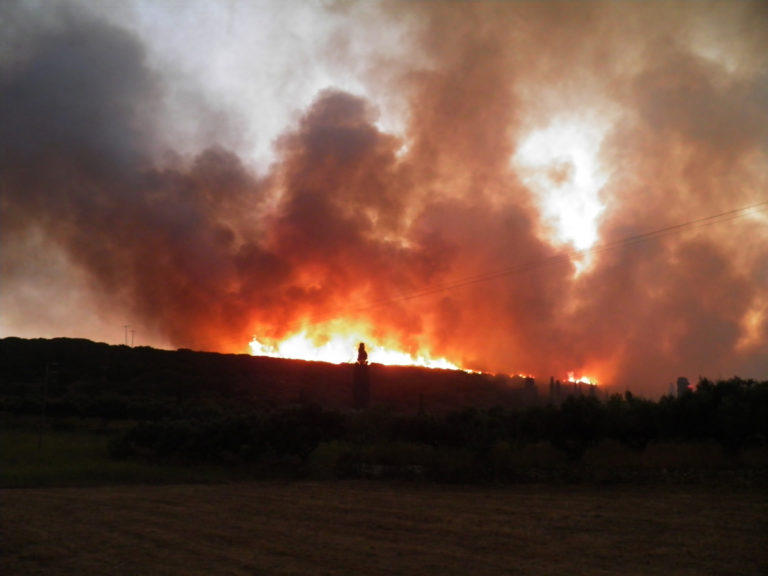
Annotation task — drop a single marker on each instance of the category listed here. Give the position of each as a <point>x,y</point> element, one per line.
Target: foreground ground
<point>384,528</point>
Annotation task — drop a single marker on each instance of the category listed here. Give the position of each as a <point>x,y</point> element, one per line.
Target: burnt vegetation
<point>271,416</point>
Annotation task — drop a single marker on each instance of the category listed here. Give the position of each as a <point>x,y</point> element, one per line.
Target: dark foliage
<point>292,432</point>
<point>236,409</point>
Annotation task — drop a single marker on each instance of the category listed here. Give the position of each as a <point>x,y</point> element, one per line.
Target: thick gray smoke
<point>432,237</point>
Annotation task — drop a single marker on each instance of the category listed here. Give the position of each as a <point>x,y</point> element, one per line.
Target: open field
<point>384,528</point>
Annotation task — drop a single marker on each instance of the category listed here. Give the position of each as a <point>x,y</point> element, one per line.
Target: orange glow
<point>339,349</point>
<point>581,379</point>
<point>561,162</point>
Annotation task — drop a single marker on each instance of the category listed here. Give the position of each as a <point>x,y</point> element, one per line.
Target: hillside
<point>271,417</point>
<point>81,373</point>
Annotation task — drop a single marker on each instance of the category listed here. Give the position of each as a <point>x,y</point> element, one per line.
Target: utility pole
<point>50,368</point>
<point>126,326</point>
<point>133,332</point>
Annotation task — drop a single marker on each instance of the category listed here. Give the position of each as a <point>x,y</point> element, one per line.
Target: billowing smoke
<point>437,236</point>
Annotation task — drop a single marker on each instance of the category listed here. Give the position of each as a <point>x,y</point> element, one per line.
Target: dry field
<point>372,528</point>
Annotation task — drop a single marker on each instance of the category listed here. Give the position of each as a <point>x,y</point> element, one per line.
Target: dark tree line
<point>733,413</point>
<point>206,407</point>
<point>243,438</point>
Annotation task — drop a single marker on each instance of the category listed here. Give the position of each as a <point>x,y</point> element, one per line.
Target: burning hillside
<point>473,185</point>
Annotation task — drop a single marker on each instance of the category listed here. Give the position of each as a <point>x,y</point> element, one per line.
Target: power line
<point>568,255</point>
<point>560,258</point>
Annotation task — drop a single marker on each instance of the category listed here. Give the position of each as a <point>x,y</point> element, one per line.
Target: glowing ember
<point>340,349</point>
<point>581,379</point>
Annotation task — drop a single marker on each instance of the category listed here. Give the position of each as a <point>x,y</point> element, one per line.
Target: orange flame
<point>339,349</point>
<point>581,379</point>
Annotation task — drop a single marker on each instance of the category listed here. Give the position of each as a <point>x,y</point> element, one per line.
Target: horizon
<point>540,383</point>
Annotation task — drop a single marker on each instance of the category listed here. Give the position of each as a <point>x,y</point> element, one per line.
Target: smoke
<point>401,207</point>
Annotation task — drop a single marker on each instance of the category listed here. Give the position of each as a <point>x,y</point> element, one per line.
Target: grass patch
<point>78,458</point>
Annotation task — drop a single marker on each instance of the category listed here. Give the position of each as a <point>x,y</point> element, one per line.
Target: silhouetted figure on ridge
<point>362,355</point>
<point>361,381</point>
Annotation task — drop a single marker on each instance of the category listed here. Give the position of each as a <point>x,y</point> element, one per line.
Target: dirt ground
<point>372,528</point>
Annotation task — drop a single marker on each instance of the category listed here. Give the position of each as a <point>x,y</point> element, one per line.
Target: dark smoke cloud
<point>76,117</point>
<point>352,221</point>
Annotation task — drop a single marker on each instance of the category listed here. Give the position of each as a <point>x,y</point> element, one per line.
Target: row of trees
<point>733,413</point>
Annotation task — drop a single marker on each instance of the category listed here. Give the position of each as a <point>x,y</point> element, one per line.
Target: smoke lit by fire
<point>496,186</point>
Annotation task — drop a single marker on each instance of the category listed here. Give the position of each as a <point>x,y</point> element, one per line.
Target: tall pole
<point>133,332</point>
<point>49,367</point>
<point>126,326</point>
